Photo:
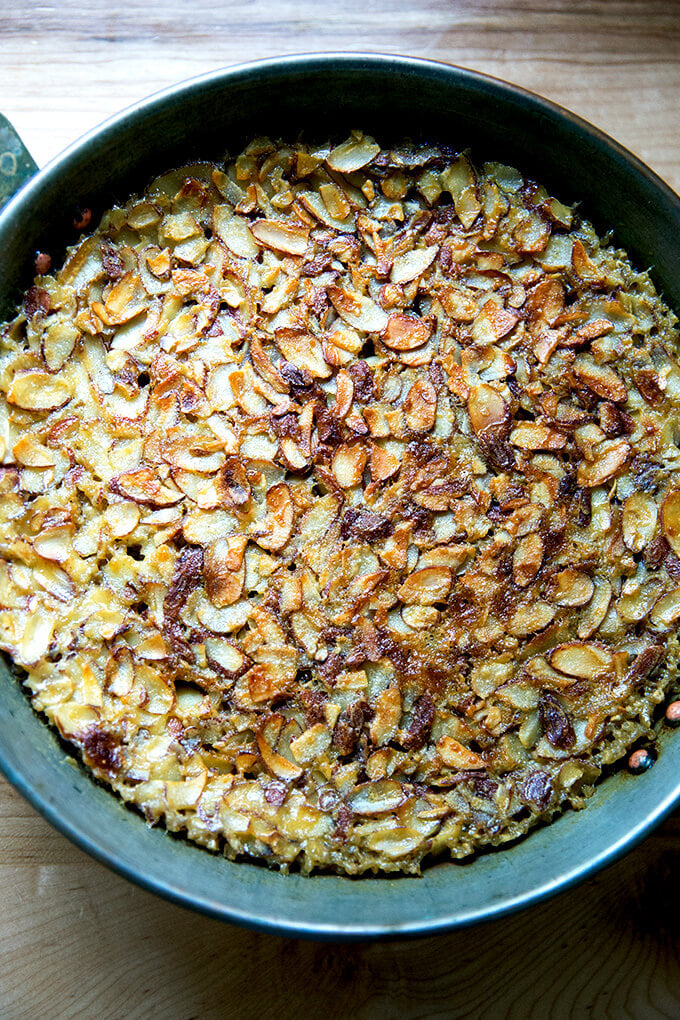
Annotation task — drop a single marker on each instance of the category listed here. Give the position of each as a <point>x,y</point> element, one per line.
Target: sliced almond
<point>348,464</point>
<point>406,332</point>
<point>377,798</point>
<point>531,619</point>
<point>581,659</point>
<point>413,264</point>
<point>533,436</point>
<point>54,543</point>
<point>597,610</point>
<point>493,323</point>
<point>527,559</point>
<point>280,235</point>
<point>358,310</point>
<point>584,267</point>
<point>383,464</point>
<point>31,453</point>
<point>666,612</point>
<point>58,343</point>
<point>39,391</point>
<point>459,181</point>
<point>224,657</point>
<point>144,486</point>
<point>601,379</point>
<point>420,406</point>
<point>276,763</point>
<point>456,756</point>
<point>344,394</point>
<point>610,457</point>
<point>278,524</point>
<point>387,715</point>
<point>670,519</point>
<point>353,154</point>
<point>427,586</point>
<point>573,588</point>
<point>335,201</point>
<point>638,520</point>
<point>224,570</point>
<point>489,414</point>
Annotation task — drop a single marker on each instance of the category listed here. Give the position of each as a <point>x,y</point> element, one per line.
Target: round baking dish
<point>391,97</point>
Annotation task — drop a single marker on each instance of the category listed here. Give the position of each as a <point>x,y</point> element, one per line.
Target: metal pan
<point>392,97</point>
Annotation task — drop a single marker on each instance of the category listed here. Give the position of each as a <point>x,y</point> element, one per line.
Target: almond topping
<point>427,586</point>
<point>581,659</point>
<point>406,332</point>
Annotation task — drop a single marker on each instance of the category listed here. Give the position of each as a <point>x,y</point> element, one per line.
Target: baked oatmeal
<point>340,503</point>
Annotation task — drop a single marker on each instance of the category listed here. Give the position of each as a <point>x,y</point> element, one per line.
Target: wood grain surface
<point>76,940</point>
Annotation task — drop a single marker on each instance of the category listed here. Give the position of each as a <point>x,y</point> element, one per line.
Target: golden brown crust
<point>340,507</point>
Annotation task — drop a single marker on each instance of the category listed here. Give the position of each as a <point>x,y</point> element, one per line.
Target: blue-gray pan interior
<point>391,97</point>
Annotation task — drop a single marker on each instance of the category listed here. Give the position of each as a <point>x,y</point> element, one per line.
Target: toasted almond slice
<point>597,609</point>
<point>201,454</point>
<point>35,638</point>
<point>533,436</point>
<point>224,657</point>
<point>456,756</point>
<point>461,307</point>
<point>278,524</point>
<point>358,310</point>
<point>235,232</point>
<point>385,722</point>
<point>224,569</point>
<point>39,391</point>
<point>420,406</point>
<point>427,586</point>
<point>493,323</point>
<point>638,521</point>
<point>31,453</point>
<point>573,588</point>
<point>459,181</point>
<point>527,559</point>
<point>601,379</point>
<point>344,394</point>
<point>453,556</point>
<point>670,519</point>
<point>666,612</point>
<point>352,154</point>
<point>58,342</point>
<point>275,762</point>
<point>581,659</point>
<point>594,329</point>
<point>281,235</point>
<point>335,201</point>
<point>489,414</point>
<point>223,621</point>
<point>610,456</point>
<point>412,264</point>
<point>531,619</point>
<point>377,798</point>
<point>384,464</point>
<point>406,332</point>
<point>312,744</point>
<point>420,617</point>
<point>584,267</point>
<point>348,464</point>
<point>636,605</point>
<point>143,486</point>
<point>184,794</point>
<point>54,543</point>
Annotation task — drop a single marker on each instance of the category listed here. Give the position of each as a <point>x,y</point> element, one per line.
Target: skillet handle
<point>16,163</point>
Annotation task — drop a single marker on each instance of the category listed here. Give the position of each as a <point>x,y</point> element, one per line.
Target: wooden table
<point>76,940</point>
